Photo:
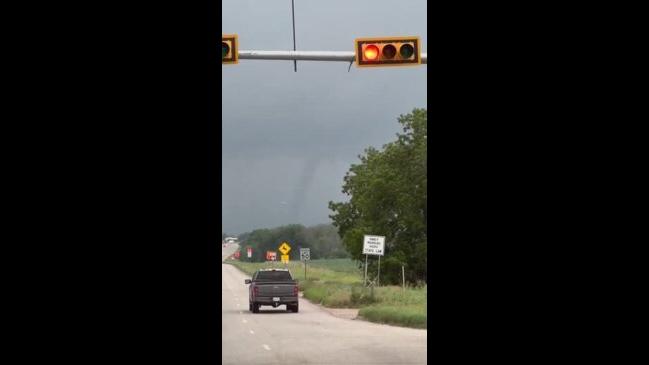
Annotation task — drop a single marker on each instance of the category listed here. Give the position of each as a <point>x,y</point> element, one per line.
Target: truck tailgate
<point>275,289</point>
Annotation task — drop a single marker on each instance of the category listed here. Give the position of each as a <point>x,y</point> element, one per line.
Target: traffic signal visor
<point>229,49</point>
<point>388,51</point>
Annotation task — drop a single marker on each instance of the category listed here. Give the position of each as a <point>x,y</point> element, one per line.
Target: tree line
<point>322,240</point>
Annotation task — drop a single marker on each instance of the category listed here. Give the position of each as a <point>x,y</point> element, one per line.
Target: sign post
<point>373,245</point>
<point>249,253</point>
<point>305,255</point>
<point>378,276</point>
<point>365,278</point>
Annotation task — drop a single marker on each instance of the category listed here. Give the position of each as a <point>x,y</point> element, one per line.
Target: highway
<point>312,336</point>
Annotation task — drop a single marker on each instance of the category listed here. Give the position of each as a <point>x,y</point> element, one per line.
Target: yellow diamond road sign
<point>284,248</point>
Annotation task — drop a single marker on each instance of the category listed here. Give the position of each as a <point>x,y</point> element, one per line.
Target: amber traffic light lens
<point>389,51</point>
<point>407,50</point>
<point>371,53</point>
<point>225,49</point>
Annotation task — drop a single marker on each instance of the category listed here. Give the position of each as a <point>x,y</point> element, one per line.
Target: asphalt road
<point>312,336</point>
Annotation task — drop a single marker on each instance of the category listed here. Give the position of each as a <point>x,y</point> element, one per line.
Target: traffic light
<point>229,49</point>
<point>387,51</point>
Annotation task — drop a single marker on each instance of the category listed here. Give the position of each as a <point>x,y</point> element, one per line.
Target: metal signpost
<point>373,245</point>
<point>305,255</point>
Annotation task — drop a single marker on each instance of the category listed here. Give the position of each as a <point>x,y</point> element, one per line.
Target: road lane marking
<point>252,332</point>
<point>244,321</point>
<point>266,347</point>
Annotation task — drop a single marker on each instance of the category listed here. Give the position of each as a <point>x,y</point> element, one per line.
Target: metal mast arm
<point>305,56</point>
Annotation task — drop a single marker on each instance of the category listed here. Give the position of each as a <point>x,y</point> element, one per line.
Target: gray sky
<point>289,138</point>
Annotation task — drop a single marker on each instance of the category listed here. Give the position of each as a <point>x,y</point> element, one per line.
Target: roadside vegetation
<point>338,283</point>
<point>387,193</point>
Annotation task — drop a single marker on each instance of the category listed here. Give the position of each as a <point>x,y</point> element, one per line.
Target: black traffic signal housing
<point>229,49</point>
<point>388,51</point>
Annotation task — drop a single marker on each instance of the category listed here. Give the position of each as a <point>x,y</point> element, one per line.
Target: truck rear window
<point>273,276</point>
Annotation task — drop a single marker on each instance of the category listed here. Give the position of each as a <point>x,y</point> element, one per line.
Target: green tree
<point>262,240</point>
<point>388,197</point>
<point>324,242</point>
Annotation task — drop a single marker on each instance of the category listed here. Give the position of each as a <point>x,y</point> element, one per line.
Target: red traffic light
<point>388,51</point>
<point>371,52</point>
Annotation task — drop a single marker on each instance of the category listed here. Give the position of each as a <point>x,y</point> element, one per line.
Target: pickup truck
<point>272,287</point>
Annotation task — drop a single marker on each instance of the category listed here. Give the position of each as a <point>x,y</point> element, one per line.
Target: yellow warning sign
<point>284,248</point>
<point>285,259</point>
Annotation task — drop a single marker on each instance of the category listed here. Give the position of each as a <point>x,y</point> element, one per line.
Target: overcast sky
<point>289,138</point>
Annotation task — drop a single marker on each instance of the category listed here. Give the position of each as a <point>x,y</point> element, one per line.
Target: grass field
<point>338,283</point>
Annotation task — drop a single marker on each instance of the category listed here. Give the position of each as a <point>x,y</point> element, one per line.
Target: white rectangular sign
<point>305,254</point>
<point>373,245</point>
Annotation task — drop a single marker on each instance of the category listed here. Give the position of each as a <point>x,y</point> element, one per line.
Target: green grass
<point>402,315</point>
<point>337,283</point>
<point>397,296</point>
<point>338,265</point>
<point>339,271</point>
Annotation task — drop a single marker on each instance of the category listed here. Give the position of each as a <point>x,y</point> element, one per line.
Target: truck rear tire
<point>255,308</point>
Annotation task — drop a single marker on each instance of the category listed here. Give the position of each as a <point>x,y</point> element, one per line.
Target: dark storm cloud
<point>289,138</point>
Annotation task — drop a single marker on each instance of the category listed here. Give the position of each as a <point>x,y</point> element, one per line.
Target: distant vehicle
<point>272,287</point>
<point>231,240</point>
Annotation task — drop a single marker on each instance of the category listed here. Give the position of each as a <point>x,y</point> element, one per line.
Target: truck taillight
<point>256,290</point>
<point>295,290</point>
